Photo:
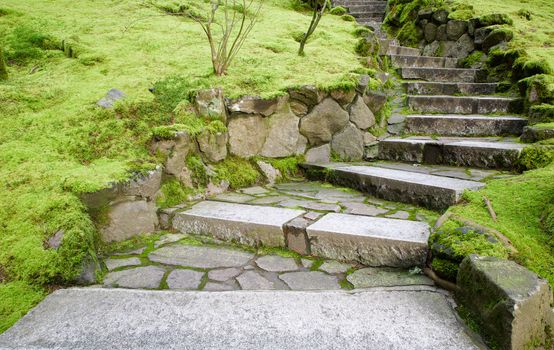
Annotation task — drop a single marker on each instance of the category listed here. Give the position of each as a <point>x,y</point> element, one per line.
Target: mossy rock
<point>536,156</point>
<point>445,269</point>
<point>538,88</point>
<point>496,37</point>
<point>524,67</point>
<point>368,46</point>
<point>542,113</point>
<point>362,32</point>
<point>338,11</point>
<point>507,57</point>
<point>348,18</point>
<point>493,19</point>
<point>473,59</point>
<point>410,34</point>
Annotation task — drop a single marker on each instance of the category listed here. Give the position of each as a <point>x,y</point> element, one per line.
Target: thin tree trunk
<point>3,67</point>
<point>311,29</point>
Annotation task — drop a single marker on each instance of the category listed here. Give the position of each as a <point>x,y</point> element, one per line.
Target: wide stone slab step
<point>369,240</point>
<point>438,88</point>
<point>464,104</point>
<point>467,152</point>
<point>439,74</point>
<point>369,16</point>
<point>399,51</point>
<point>464,125</point>
<point>431,191</point>
<point>348,3</point>
<point>246,224</point>
<point>369,6</point>
<point>423,61</point>
<point>95,318</point>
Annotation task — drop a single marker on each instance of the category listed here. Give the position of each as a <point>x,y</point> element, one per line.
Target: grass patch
<point>16,299</point>
<point>238,172</point>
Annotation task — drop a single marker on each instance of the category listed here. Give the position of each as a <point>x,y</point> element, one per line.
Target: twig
<point>439,281</point>
<point>490,208</point>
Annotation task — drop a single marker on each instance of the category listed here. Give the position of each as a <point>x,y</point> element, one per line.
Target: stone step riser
<point>459,126</point>
<point>364,17</point>
<point>439,74</point>
<point>423,61</point>
<point>378,7</point>
<point>463,105</point>
<point>468,89</point>
<point>449,154</point>
<point>347,3</point>
<point>399,51</point>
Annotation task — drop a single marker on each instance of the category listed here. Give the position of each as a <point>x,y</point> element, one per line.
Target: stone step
<point>246,224</point>
<point>470,152</point>
<point>399,50</point>
<point>369,240</point>
<point>369,16</point>
<point>442,88</point>
<point>423,61</point>
<point>348,3</point>
<point>100,318</point>
<point>450,75</point>
<point>469,125</point>
<point>430,191</point>
<point>373,6</point>
<point>464,104</point>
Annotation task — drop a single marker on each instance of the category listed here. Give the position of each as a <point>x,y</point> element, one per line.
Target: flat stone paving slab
<point>371,277</point>
<point>275,263</point>
<point>310,280</point>
<point>200,256</point>
<point>184,279</point>
<point>90,318</point>
<point>113,264</point>
<point>147,277</point>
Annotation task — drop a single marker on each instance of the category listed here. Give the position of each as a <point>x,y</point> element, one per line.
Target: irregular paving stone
<point>254,190</point>
<point>361,115</point>
<point>307,263</point>
<point>217,287</point>
<point>312,215</point>
<point>275,263</point>
<point>184,279</point>
<point>147,277</point>
<point>310,280</point>
<point>269,200</point>
<point>399,215</point>
<point>234,197</point>
<point>334,267</point>
<point>169,238</point>
<point>224,274</point>
<point>323,122</point>
<point>323,207</point>
<point>348,144</point>
<point>385,277</point>
<point>113,264</point>
<point>132,252</point>
<point>251,280</point>
<point>111,98</point>
<point>200,256</point>
<point>295,203</point>
<point>363,209</point>
<point>512,303</point>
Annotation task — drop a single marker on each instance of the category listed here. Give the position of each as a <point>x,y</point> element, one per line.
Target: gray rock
<point>495,38</point>
<point>95,318</point>
<point>200,256</point>
<point>344,98</point>
<point>375,100</point>
<point>323,207</point>
<point>217,287</point>
<point>256,190</point>
<point>369,139</point>
<point>213,145</point>
<point>307,95</point>
<point>298,108</point>
<point>169,238</point>
<point>210,104</point>
<point>363,83</point>
<point>234,197</point>
<point>512,303</point>
<point>275,263</point>
<point>111,98</point>
<point>533,134</point>
<point>481,34</point>
<point>282,139</point>
<point>312,280</point>
<point>431,49</point>
<point>307,263</point>
<point>321,154</point>
<point>256,105</point>
<point>296,237</point>
<point>269,200</point>
<point>224,274</point>
<point>323,122</point>
<point>147,277</point>
<point>214,189</point>
<point>270,173</point>
<point>137,251</point>
<point>441,33</point>
<point>89,270</point>
<point>440,16</point>
<point>462,48</point>
<point>399,215</point>
<point>247,135</point>
<point>184,279</point>
<point>301,145</point>
<point>455,29</point>
<point>113,264</point>
<point>430,32</point>
<point>177,151</point>
<point>396,119</point>
<point>251,280</point>
<point>395,129</point>
<point>334,267</point>
<point>349,143</point>
<point>128,219</point>
<point>55,241</point>
<point>361,115</point>
<point>363,209</point>
<point>372,277</point>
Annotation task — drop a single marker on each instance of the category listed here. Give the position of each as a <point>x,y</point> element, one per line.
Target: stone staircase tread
<point>465,117</point>
<point>462,141</point>
<point>486,97</point>
<point>429,88</point>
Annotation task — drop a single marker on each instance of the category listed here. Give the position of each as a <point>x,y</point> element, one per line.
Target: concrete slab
<point>90,318</point>
<point>369,240</point>
<point>246,224</point>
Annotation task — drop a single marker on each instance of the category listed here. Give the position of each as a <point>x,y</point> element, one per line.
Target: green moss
<point>278,251</point>
<point>238,172</point>
<point>198,169</point>
<point>525,67</point>
<point>172,193</point>
<point>445,268</point>
<point>25,43</point>
<point>535,157</point>
<point>538,88</point>
<point>344,284</point>
<point>348,18</point>
<point>462,12</point>
<point>16,299</point>
<point>494,19</point>
<point>542,113</point>
<point>288,167</point>
<point>362,32</point>
<point>338,11</point>
<point>548,222</point>
<point>472,59</point>
<point>410,35</point>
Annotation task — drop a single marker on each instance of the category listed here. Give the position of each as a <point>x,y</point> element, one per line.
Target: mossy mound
<point>338,11</point>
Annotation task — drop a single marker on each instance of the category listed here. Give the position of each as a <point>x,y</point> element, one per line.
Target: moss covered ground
<point>54,142</point>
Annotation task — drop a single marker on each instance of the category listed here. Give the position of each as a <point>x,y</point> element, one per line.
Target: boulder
<point>270,173</point>
<point>441,33</point>
<point>455,29</point>
<point>210,104</point>
<point>343,97</point>
<point>255,105</point>
<point>298,108</point>
<point>431,49</point>
<point>177,151</point>
<point>497,37</point>
<point>111,98</point>
<point>369,139</point>
<point>375,101</point>
<point>349,143</point>
<point>361,115</point>
<point>301,144</point>
<point>511,302</point>
<point>129,218</point>
<point>440,16</point>
<point>461,48</point>
<point>363,82</point>
<point>481,34</point>
<point>430,32</point>
<point>283,134</point>
<point>307,95</point>
<point>323,122</point>
<point>247,134</point>
<point>213,146</point>
<point>321,154</point>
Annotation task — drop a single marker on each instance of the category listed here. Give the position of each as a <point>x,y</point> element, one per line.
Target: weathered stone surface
<point>445,88</point>
<point>307,95</point>
<point>270,173</point>
<point>423,61</point>
<point>130,218</point>
<point>361,115</point>
<point>247,135</point>
<point>210,104</point>
<point>461,48</point>
<point>251,280</point>
<point>275,263</point>
<point>455,29</point>
<point>312,280</point>
<point>348,144</point>
<point>430,32</point>
<point>296,237</point>
<point>213,145</point>
<point>301,145</point>
<point>534,134</point>
<point>217,287</point>
<point>224,274</point>
<point>369,139</point>
<point>481,34</point>
<point>111,98</point>
<point>184,279</point>
<point>322,207</point>
<point>169,238</point>
<point>462,104</point>
<point>356,208</point>
<point>178,150</point>
<point>255,190</point>
<point>440,16</point>
<point>512,302</point>
<point>283,134</point>
<point>371,277</point>
<point>248,224</point>
<point>344,98</point>
<point>369,240</point>
<point>323,122</point>
<point>113,264</point>
<point>399,215</point>
<point>470,125</point>
<point>298,108</point>
<point>94,318</point>
<point>441,34</point>
<point>147,277</point>
<point>431,49</point>
<point>439,74</point>
<point>255,105</point>
<point>321,154</point>
<point>334,267</point>
<point>55,241</point>
<point>234,197</point>
<point>375,100</point>
<point>496,37</point>
<point>200,256</point>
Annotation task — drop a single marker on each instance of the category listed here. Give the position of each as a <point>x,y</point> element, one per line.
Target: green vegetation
<point>338,11</point>
<point>239,172</point>
<point>3,68</point>
<point>172,193</point>
<point>16,298</point>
